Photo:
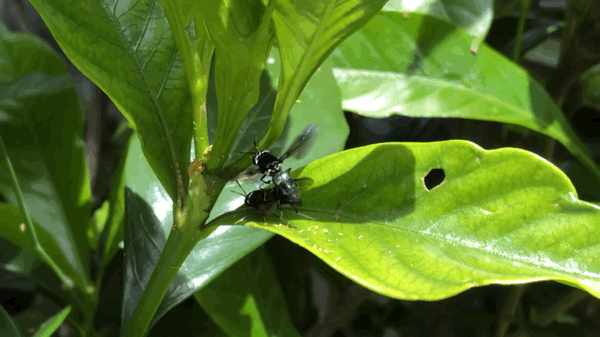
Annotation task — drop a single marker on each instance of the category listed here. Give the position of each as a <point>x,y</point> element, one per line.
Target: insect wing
<point>302,143</point>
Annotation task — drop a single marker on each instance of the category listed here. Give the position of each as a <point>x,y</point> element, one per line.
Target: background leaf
<point>127,49</point>
<point>501,216</point>
<point>591,87</point>
<point>423,67</point>
<point>7,325</point>
<point>52,324</point>
<point>474,16</point>
<point>113,230</point>
<point>42,128</point>
<point>22,259</point>
<point>246,299</point>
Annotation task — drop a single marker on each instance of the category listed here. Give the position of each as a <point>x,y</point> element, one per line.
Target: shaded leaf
<point>502,216</point>
<point>253,305</point>
<point>25,267</point>
<point>591,87</point>
<point>114,225</point>
<point>423,67</point>
<point>7,325</point>
<point>42,128</point>
<point>130,53</point>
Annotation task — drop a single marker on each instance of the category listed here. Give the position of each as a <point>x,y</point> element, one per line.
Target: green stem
<point>197,66</point>
<point>30,228</point>
<point>522,18</point>
<point>564,304</point>
<point>204,52</point>
<point>509,310</point>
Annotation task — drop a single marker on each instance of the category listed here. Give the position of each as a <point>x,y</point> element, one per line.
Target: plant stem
<point>522,18</point>
<point>564,304</point>
<point>508,312</point>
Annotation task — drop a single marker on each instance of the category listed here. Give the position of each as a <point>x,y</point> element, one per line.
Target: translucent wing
<point>302,142</point>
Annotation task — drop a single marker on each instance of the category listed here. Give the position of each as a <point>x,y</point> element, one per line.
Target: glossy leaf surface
<point>474,16</point>
<point>501,216</point>
<point>423,67</point>
<point>246,299</point>
<point>42,129</point>
<point>127,49</point>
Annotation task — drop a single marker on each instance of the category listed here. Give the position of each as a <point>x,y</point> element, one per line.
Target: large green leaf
<point>474,16</point>
<point>41,125</point>
<point>423,67</point>
<point>501,216</point>
<point>246,299</point>
<point>127,49</point>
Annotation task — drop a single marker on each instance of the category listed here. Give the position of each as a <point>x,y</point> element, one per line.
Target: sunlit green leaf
<point>253,305</point>
<point>502,216</point>
<point>423,67</point>
<point>127,49</point>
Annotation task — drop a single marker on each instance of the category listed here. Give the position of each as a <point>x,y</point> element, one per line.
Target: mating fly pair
<point>266,201</point>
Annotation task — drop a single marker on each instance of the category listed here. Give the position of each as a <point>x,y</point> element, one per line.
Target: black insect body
<point>265,201</point>
<point>288,189</point>
<point>270,166</point>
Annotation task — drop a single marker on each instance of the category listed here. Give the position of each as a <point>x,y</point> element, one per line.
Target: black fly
<point>270,166</point>
<point>264,201</point>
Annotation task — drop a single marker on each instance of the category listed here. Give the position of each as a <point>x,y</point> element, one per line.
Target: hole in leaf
<point>434,178</point>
